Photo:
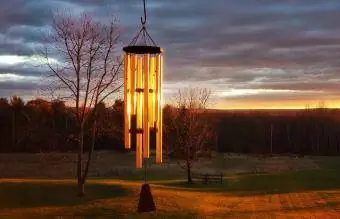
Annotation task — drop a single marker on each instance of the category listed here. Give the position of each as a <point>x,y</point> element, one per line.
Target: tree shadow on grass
<point>26,195</point>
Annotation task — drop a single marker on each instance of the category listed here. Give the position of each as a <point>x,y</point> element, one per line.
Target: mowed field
<point>43,186</point>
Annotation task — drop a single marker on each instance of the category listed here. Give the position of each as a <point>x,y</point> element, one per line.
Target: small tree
<point>187,129</point>
<point>86,70</point>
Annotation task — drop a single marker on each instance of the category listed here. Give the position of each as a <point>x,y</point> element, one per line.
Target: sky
<point>250,53</point>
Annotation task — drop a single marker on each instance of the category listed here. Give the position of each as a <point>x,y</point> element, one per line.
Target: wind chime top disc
<point>143,49</point>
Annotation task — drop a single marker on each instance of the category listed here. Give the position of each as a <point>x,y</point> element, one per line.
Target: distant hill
<point>274,112</point>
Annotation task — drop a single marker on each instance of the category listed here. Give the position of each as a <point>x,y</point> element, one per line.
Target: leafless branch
<point>87,68</point>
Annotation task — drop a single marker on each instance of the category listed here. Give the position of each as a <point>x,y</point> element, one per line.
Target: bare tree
<point>82,56</point>
<point>189,132</point>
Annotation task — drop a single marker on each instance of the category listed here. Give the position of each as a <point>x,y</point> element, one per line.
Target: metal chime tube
<point>139,113</point>
<point>152,89</point>
<point>143,103</point>
<point>160,145</point>
<point>146,127</point>
<point>132,79</point>
<point>127,104</point>
<point>158,104</point>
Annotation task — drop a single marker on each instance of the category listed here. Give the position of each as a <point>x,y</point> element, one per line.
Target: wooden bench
<point>209,178</point>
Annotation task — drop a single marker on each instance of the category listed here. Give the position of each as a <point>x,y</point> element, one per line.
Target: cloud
<point>220,44</point>
<point>10,83</point>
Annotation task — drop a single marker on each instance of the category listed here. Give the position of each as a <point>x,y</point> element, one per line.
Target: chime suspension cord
<point>145,170</point>
<point>143,32</point>
<point>143,20</point>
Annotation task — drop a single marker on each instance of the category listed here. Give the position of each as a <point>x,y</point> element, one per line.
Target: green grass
<point>242,197</point>
<point>303,193</point>
<point>327,177</point>
<point>270,183</point>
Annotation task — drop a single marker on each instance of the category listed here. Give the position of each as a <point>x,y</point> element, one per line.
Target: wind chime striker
<point>143,65</point>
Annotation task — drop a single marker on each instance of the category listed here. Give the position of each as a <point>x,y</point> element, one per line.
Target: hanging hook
<point>143,20</point>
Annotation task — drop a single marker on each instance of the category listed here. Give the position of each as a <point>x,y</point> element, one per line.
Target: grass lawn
<point>309,193</point>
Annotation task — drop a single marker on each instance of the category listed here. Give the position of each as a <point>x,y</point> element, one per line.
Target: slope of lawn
<point>311,193</point>
<point>269,183</point>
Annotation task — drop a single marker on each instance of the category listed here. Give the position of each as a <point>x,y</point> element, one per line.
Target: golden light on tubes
<point>143,98</point>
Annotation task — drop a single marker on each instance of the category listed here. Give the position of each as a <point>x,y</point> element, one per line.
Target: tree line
<point>307,132</point>
<point>43,126</point>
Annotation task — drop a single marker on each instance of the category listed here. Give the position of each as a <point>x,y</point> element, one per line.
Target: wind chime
<point>143,64</point>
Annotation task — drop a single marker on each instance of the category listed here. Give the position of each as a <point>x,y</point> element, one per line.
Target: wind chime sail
<point>143,71</point>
